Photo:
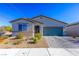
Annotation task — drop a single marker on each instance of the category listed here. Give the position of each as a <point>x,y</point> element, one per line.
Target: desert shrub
<point>16,42</point>
<point>35,39</point>
<point>38,36</point>
<point>6,42</point>
<point>4,37</point>
<point>20,35</point>
<point>18,39</point>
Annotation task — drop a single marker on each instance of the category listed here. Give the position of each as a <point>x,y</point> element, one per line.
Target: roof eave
<point>30,20</point>
<point>49,18</point>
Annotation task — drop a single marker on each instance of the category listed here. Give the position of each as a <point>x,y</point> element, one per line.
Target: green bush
<point>8,28</point>
<point>20,35</point>
<point>38,35</point>
<point>34,39</point>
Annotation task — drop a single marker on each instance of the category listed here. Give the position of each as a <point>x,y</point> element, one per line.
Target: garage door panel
<point>50,31</point>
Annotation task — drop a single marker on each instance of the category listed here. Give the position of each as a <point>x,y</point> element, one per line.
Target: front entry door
<point>37,29</point>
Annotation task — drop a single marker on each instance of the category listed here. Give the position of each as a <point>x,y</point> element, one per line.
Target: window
<point>22,27</point>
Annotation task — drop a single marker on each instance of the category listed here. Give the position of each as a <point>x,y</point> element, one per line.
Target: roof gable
<point>32,20</point>
<point>26,19</point>
<point>48,18</point>
<point>19,19</point>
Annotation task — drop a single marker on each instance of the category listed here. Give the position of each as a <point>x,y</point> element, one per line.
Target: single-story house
<point>72,29</point>
<point>44,25</point>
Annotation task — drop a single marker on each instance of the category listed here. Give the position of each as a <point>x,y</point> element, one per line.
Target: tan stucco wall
<point>49,22</point>
<point>30,28</point>
<point>28,32</point>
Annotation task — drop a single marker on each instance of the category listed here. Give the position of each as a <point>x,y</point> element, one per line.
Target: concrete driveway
<point>59,42</point>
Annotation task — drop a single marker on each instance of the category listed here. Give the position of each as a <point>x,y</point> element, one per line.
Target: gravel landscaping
<point>26,44</point>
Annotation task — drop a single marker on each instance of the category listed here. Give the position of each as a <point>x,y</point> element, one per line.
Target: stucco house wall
<point>29,30</point>
<point>49,22</point>
<point>72,30</point>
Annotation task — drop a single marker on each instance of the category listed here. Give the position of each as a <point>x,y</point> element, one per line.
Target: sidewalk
<point>39,52</point>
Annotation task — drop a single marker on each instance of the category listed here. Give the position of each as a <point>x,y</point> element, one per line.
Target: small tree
<point>8,28</point>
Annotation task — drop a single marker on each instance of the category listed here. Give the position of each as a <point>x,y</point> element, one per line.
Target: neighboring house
<point>40,24</point>
<point>4,32</point>
<point>72,29</point>
<point>7,33</point>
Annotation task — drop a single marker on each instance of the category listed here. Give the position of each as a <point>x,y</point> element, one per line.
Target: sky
<point>66,12</point>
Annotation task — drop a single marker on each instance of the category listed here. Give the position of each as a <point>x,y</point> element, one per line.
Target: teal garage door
<point>52,31</point>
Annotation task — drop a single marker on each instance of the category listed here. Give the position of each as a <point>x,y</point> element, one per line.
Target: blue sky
<point>65,12</point>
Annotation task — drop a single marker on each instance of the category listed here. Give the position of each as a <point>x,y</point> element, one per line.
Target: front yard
<point>44,42</point>
<point>20,41</point>
<point>24,44</point>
